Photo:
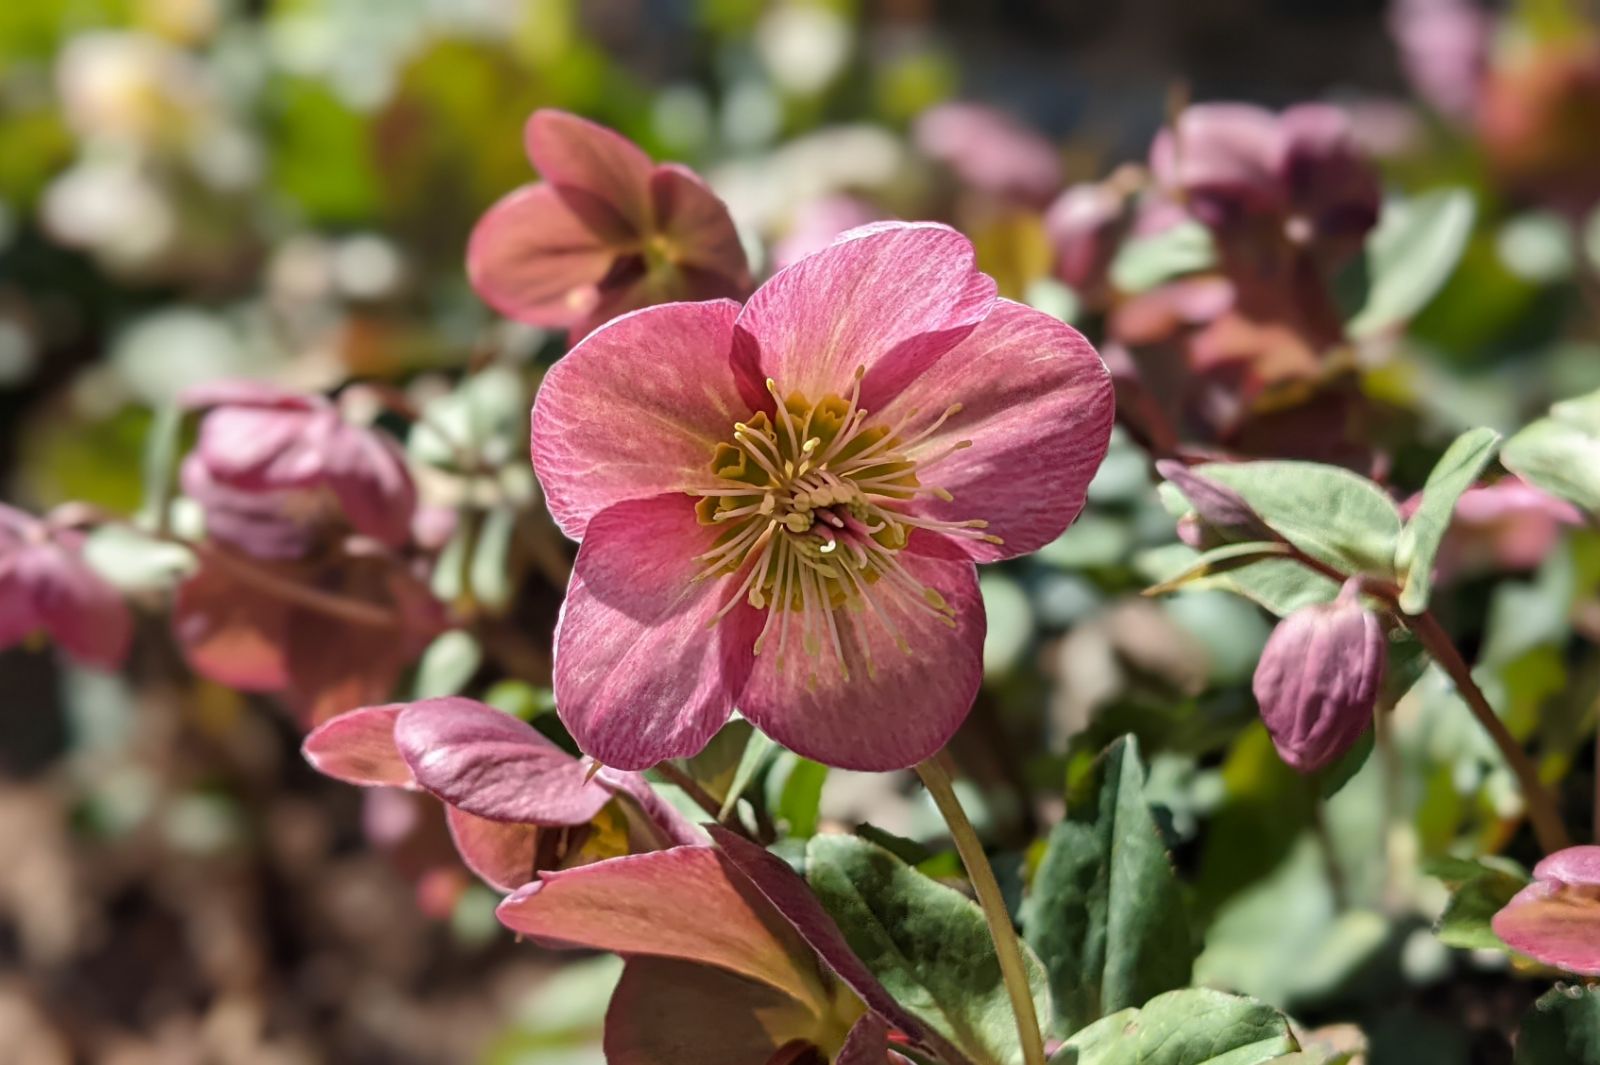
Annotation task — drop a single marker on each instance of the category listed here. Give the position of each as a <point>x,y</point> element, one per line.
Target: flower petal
<point>791,897</point>
<point>492,765</point>
<point>893,297</point>
<point>83,613</point>
<point>358,747</point>
<point>532,258</point>
<point>677,829</point>
<point>367,472</point>
<point>258,447</point>
<point>865,721</point>
<point>1573,865</point>
<point>687,903</point>
<point>641,674</point>
<point>230,633</point>
<point>1555,924</point>
<point>636,409</point>
<point>666,1012</point>
<point>18,620</point>
<point>1037,405</point>
<point>867,1043</point>
<point>580,155</point>
<point>699,229</point>
<point>503,854</point>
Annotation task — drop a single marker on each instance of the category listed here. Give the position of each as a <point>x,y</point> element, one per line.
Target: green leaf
<point>447,665</point>
<point>1409,257</point>
<point>490,568</point>
<point>1106,913</point>
<point>1279,585</point>
<point>161,445</point>
<point>1561,453</point>
<point>1472,905</point>
<point>1190,1027</point>
<point>1220,560</point>
<point>794,792</point>
<point>714,767</point>
<point>757,749</point>
<point>1145,262</point>
<point>134,562</point>
<point>1329,513</point>
<point>928,944</point>
<point>1419,542</point>
<point>1562,1028</point>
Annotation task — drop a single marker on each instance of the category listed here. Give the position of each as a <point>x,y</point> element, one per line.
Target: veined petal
<point>532,258</point>
<point>1554,923</point>
<point>358,747</point>
<point>893,297</point>
<point>504,854</point>
<point>641,674</point>
<point>685,903</point>
<point>1037,404</point>
<point>490,764</point>
<point>635,410</point>
<point>698,228</point>
<point>667,1012</point>
<point>862,720</point>
<point>575,153</point>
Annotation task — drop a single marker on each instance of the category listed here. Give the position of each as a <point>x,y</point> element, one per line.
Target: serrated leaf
<point>1561,453</point>
<point>1419,541</point>
<point>1562,1028</point>
<point>1472,905</point>
<point>1329,513</point>
<point>1409,257</point>
<point>1106,913</point>
<point>928,944</point>
<point>1195,1026</point>
<point>1145,262</point>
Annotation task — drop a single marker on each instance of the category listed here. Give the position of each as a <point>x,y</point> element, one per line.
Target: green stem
<point>935,776</point>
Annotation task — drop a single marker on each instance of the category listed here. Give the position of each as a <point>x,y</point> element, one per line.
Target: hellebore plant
<point>605,232</point>
<point>515,802</point>
<point>780,506</point>
<point>46,586</point>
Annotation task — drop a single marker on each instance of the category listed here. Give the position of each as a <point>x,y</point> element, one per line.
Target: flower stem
<point>1543,810</point>
<point>935,776</point>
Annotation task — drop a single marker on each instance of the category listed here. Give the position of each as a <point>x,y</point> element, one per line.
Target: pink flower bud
<point>1318,678</point>
<point>1556,919</point>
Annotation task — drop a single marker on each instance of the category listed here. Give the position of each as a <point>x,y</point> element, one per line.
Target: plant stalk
<point>1543,810</point>
<point>935,774</point>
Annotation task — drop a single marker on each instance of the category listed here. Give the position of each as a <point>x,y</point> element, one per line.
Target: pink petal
<point>581,156</point>
<point>677,829</point>
<point>501,853</point>
<point>1037,404</point>
<point>867,721</point>
<point>641,674</point>
<point>635,410</point>
<point>532,258</point>
<point>263,448</point>
<point>367,472</point>
<point>492,765</point>
<point>666,1012</point>
<point>1574,865</point>
<point>231,634</point>
<point>685,903</point>
<point>699,230</point>
<point>18,620</point>
<point>83,613</point>
<point>790,896</point>
<point>893,297</point>
<point>358,747</point>
<point>1554,924</point>
<point>867,1043</point>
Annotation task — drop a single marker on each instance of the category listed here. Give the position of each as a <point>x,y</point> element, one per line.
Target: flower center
<point>817,504</point>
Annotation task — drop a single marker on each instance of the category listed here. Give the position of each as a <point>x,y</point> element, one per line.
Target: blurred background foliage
<point>192,189</point>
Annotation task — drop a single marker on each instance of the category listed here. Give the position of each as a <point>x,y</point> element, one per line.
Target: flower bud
<point>1556,919</point>
<point>1318,679</point>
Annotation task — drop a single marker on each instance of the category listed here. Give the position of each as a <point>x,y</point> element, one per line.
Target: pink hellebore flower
<point>780,506</point>
<point>1556,919</point>
<point>990,151</point>
<point>1506,525</point>
<point>1318,679</point>
<point>515,802</point>
<point>762,976</point>
<point>45,585</point>
<point>276,469</point>
<point>605,232</point>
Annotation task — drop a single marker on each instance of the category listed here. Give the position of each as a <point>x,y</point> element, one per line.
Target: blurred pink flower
<point>763,975</point>
<point>1444,49</point>
<point>46,586</point>
<point>515,802</point>
<point>1318,679</point>
<point>1556,919</point>
<point>277,470</point>
<point>818,223</point>
<point>605,232</point>
<point>780,506</point>
<point>1086,224</point>
<point>1506,525</point>
<point>990,151</point>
